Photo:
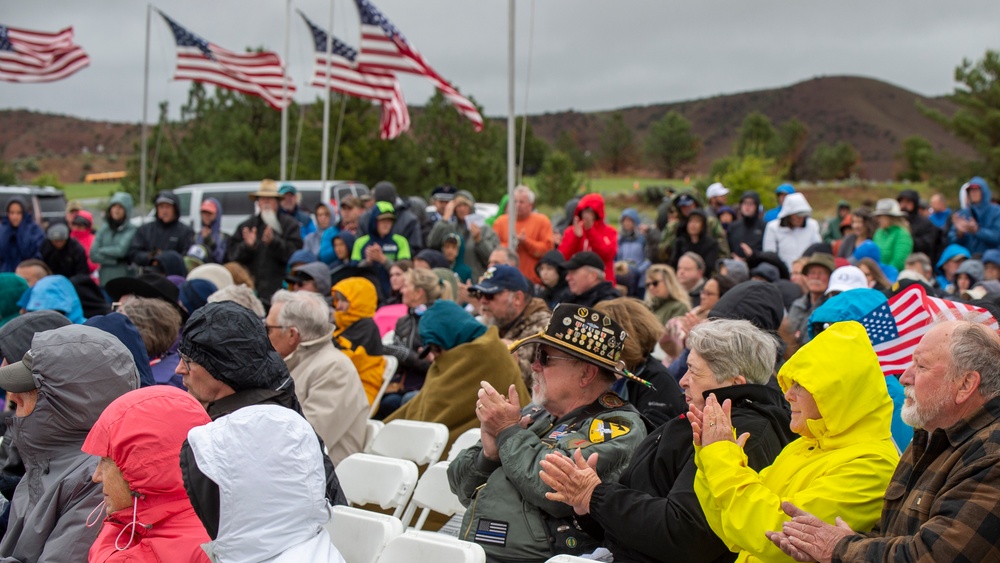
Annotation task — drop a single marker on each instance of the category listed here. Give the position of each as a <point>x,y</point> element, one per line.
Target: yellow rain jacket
<point>843,471</point>
<point>357,334</point>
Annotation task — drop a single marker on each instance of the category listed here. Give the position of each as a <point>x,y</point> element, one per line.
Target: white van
<point>237,205</point>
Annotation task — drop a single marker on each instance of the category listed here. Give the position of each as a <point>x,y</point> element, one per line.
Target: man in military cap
<point>576,361</point>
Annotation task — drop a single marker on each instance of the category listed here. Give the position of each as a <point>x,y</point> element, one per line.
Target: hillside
<point>872,115</point>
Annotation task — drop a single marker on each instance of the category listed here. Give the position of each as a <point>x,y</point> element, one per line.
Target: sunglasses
<point>654,283</point>
<point>544,359</point>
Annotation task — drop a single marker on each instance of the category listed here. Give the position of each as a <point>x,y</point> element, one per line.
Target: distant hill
<point>872,115</point>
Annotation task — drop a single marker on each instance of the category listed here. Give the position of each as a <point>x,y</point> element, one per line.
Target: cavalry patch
<point>605,430</point>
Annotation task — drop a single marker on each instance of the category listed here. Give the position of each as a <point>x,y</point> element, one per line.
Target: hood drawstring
<point>131,525</point>
<point>96,509</point>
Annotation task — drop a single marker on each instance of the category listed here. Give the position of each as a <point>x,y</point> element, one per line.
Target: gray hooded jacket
<point>79,371</point>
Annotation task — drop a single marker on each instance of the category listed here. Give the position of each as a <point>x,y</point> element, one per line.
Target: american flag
<point>256,74</point>
<point>38,56</point>
<point>347,78</point>
<point>383,47</point>
<point>896,327</point>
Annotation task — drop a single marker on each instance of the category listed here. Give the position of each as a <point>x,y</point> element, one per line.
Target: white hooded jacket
<point>787,242</point>
<point>267,464</point>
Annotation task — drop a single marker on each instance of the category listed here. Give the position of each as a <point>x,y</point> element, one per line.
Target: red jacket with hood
<point>600,239</point>
<point>142,431</point>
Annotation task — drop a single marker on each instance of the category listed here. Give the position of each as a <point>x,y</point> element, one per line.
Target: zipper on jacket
<point>475,499</point>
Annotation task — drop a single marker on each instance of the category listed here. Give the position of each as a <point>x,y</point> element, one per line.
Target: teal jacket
<point>508,514</point>
<point>111,245</point>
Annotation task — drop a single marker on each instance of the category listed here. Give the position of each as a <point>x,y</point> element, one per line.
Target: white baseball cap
<point>716,190</point>
<point>846,278</point>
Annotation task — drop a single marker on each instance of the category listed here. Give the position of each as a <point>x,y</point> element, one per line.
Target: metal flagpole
<point>326,102</point>
<point>145,105</point>
<point>511,216</point>
<point>284,94</point>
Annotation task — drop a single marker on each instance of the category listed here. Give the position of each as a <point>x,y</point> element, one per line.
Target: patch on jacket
<point>493,532</point>
<point>606,430</point>
<point>611,401</point>
<point>559,432</point>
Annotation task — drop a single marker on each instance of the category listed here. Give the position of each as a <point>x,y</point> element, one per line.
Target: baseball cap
<point>846,278</point>
<point>502,277</point>
<point>57,231</point>
<point>163,199</point>
<point>717,190</point>
<point>444,192</point>
<point>209,206</point>
<point>287,189</point>
<point>685,199</point>
<point>16,377</point>
<point>585,258</point>
<point>822,259</point>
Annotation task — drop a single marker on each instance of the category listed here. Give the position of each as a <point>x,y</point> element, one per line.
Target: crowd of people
<point>698,387</point>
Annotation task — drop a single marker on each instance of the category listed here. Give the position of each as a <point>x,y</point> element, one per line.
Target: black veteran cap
<point>585,333</point>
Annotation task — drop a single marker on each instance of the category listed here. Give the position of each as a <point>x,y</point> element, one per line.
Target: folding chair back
<point>391,363</point>
<point>467,439</point>
<point>420,442</point>
<point>360,535</point>
<point>373,479</point>
<point>432,493</point>
<point>428,547</point>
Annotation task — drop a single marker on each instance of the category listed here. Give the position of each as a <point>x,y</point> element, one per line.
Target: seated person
<point>356,334</point>
<point>458,347</point>
<point>221,463</point>
<point>137,441</point>
<point>651,513</point>
<point>64,255</point>
<point>451,248</point>
<point>159,326</point>
<point>498,479</point>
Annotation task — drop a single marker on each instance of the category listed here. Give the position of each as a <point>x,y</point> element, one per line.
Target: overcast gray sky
<point>587,54</point>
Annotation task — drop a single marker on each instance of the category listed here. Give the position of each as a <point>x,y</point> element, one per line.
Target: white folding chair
<point>360,535</point>
<point>391,363</point>
<point>568,559</point>
<point>420,442</point>
<point>372,428</point>
<point>428,547</point>
<point>432,493</point>
<point>372,479</point>
<point>467,439</point>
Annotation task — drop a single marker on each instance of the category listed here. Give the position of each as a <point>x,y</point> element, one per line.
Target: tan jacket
<point>333,400</point>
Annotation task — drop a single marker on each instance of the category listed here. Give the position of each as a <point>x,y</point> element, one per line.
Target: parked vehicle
<point>46,202</point>
<point>237,205</point>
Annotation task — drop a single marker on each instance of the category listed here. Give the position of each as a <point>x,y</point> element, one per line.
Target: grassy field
<point>90,191</point>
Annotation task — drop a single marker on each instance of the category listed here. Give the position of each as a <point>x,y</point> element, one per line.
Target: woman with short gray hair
<point>652,510</point>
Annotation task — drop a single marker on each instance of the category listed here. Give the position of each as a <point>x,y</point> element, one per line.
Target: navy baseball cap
<point>444,192</point>
<point>502,277</point>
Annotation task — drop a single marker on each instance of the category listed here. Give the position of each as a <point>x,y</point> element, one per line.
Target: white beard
<point>918,415</point>
<point>270,219</point>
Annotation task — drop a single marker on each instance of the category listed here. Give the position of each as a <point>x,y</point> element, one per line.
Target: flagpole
<point>326,102</point>
<point>145,105</point>
<point>336,140</point>
<point>511,216</point>
<point>284,93</point>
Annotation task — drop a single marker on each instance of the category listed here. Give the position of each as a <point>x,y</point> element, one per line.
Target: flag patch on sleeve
<point>493,532</point>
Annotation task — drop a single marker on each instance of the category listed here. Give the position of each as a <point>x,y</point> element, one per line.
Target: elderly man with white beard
<point>264,242</point>
<point>943,500</point>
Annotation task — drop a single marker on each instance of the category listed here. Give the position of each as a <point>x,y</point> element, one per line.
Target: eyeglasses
<point>654,283</point>
<point>274,327</point>
<point>186,360</point>
<point>544,359</point>
<point>485,296</point>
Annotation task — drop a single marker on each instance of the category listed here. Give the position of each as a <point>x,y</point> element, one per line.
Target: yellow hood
<point>841,371</point>
<point>363,297</point>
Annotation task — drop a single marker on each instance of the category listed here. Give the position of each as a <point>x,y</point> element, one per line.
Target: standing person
<point>893,235</point>
<point>585,277</point>
<point>137,442</point>
<point>289,205</point>
<point>351,209</point>
<point>81,228</point>
<point>498,479</point>
<point>381,247</point>
<point>590,233</point>
<point>20,237</point>
<point>691,275</point>
<point>780,193</point>
<point>264,242</point>
<point>863,227</point>
<point>682,205</point>
<point>696,239</point>
<point>746,234</point>
<point>927,237</point>
<point>716,195</point>
<point>210,236</point>
<point>61,387</point>
<point>114,239</point>
<point>948,475</point>
<point>407,224</point>
<point>325,231</point>
<point>839,467</point>
<point>551,269</point>
<point>533,232</point>
<point>976,225</point>
<point>940,212</point>
<point>831,228</point>
<point>326,382</point>
<point>165,233</point>
<point>793,231</point>
<point>479,238</point>
<point>634,250</point>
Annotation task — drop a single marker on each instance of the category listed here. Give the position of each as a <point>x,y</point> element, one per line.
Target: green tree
<point>535,148</point>
<point>671,144</point>
<point>48,179</point>
<point>617,144</point>
<point>7,174</point>
<point>748,173</point>
<point>833,162</point>
<point>977,120</point>
<point>787,145</point>
<point>756,135</point>
<point>557,181</point>
<point>918,157</point>
<point>568,142</point>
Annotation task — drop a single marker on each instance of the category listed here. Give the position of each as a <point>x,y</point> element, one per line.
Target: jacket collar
<point>968,427</point>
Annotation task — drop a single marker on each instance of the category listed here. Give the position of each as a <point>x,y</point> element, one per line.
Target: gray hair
<point>593,270</point>
<point>975,347</point>
<point>304,310</point>
<point>241,295</point>
<point>525,190</point>
<point>735,347</point>
<point>158,323</point>
<point>696,258</point>
<point>512,258</point>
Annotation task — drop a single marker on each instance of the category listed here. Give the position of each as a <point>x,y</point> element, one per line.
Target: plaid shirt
<point>943,503</point>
